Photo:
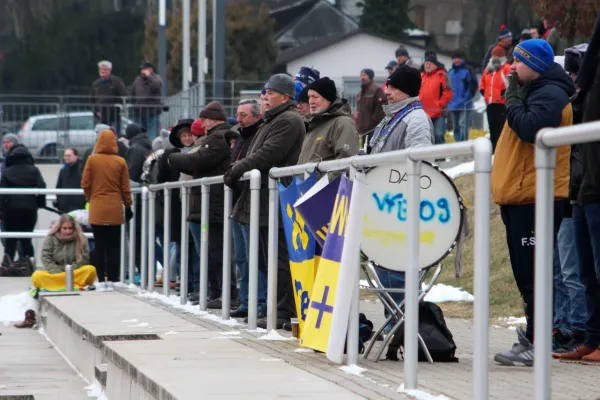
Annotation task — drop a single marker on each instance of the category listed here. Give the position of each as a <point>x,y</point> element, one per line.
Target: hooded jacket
<point>331,135</point>
<point>210,156</point>
<point>105,183</point>
<point>464,87</point>
<point>21,172</point>
<point>545,104</point>
<point>139,148</point>
<point>493,82</point>
<point>435,93</point>
<point>56,254</point>
<point>69,177</point>
<point>277,144</point>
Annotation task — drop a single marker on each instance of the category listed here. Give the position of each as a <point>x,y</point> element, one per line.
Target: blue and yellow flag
<point>320,311</point>
<point>301,246</point>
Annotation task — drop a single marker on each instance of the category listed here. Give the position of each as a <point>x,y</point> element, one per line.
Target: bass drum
<point>384,234</point>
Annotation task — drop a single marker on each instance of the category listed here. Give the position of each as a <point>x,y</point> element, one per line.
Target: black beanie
<point>325,87</point>
<point>406,79</point>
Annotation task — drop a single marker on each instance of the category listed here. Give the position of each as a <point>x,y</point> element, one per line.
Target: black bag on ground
<point>365,331</point>
<point>20,268</point>
<point>435,333</point>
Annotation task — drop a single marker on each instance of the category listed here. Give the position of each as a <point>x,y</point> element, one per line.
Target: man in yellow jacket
<point>537,97</point>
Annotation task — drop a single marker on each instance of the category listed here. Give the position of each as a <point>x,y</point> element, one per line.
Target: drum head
<point>384,231</point>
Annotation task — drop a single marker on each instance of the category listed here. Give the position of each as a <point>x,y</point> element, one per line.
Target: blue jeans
<point>462,122</point>
<point>241,243</point>
<point>570,310</point>
<point>174,261</point>
<point>439,127</point>
<point>150,122</point>
<point>586,223</point>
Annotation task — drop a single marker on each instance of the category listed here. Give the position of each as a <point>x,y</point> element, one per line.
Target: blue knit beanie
<point>536,54</point>
<point>307,75</point>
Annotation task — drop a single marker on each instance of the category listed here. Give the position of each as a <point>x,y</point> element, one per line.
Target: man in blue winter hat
<point>537,97</point>
<point>304,77</point>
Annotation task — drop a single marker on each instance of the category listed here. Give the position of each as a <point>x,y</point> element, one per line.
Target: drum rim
<point>462,207</point>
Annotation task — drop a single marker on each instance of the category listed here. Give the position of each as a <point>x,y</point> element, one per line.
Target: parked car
<point>48,135</point>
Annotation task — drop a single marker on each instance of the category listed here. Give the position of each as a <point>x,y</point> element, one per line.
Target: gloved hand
<point>128,214</point>
<point>232,175</point>
<point>512,91</point>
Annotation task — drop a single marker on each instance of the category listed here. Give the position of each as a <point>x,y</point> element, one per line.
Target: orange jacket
<point>493,85</point>
<point>435,93</point>
<point>105,182</point>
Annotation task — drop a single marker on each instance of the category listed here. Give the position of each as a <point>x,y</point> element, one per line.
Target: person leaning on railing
<point>64,245</point>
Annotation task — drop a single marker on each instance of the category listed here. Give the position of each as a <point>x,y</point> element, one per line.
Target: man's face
<point>70,158</point>
<point>457,61</point>
<point>147,71</point>
<point>103,72</point>
<point>364,78</point>
<point>209,123</point>
<point>391,70</point>
<point>547,24</point>
<point>7,144</point>
<point>303,109</point>
<point>244,115</point>
<point>524,73</point>
<point>395,95</point>
<point>430,67</point>
<point>534,33</point>
<point>274,99</point>
<point>506,42</point>
<point>318,104</point>
<point>186,138</point>
<point>401,59</point>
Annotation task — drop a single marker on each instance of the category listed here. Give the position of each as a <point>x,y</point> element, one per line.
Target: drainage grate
<point>133,336</point>
<point>18,397</point>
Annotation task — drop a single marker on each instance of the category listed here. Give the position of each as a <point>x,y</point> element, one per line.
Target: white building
<point>342,58</point>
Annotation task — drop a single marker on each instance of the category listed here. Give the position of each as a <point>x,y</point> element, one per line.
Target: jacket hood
<point>338,108</point>
<point>133,130</point>
<point>19,155</point>
<point>107,143</point>
<point>142,140</point>
<point>495,64</point>
<point>275,111</point>
<point>555,75</point>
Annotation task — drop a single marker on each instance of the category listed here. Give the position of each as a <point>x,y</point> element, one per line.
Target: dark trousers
<point>519,221</point>
<point>108,251</point>
<point>19,221</point>
<point>496,115</point>
<point>215,258</point>
<point>586,226</point>
<point>286,308</point>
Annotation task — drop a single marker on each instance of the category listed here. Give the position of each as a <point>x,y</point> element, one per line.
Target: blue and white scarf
<point>383,130</point>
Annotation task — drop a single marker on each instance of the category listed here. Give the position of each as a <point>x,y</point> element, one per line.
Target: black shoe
<point>238,313</point>
<point>260,315</point>
<point>235,303</point>
<point>262,323</point>
<point>287,326</point>
<point>214,304</point>
<point>577,340</point>
<point>194,298</point>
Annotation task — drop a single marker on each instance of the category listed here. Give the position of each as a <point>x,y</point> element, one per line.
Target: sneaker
<point>592,358</point>
<point>214,304</point>
<point>559,339</point>
<point>260,315</point>
<point>521,353</point>
<point>101,287</point>
<point>239,313</point>
<point>575,356</point>
<point>576,341</point>
<point>262,323</point>
<point>194,298</point>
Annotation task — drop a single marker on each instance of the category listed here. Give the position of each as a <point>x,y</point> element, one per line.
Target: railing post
<point>166,242</point>
<point>482,150</point>
<point>253,252</point>
<point>144,240</point>
<point>226,290</point>
<point>204,232</point>
<point>132,242</point>
<point>184,244</point>
<point>122,253</point>
<point>411,343</point>
<point>272,254</point>
<point>545,163</point>
<point>352,340</point>
<point>151,240</point>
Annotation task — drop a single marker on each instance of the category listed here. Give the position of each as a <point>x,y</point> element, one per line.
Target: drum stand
<point>396,312</point>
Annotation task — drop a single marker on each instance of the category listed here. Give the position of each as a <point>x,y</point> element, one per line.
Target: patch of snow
<point>460,170</point>
<point>363,283</point>
<point>274,335</point>
<point>496,326</point>
<point>513,320</point>
<point>512,328</point>
<point>95,390</point>
<point>130,320</point>
<point>257,330</point>
<point>142,324</point>
<point>441,293</point>
<point>270,359</point>
<point>303,350</point>
<point>230,333</point>
<point>353,369</point>
<point>131,286</point>
<point>174,301</point>
<point>69,363</point>
<point>416,32</point>
<point>13,307</point>
<point>121,284</point>
<point>420,394</point>
<point>171,333</point>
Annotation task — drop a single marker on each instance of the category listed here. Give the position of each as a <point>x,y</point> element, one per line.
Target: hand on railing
<point>230,178</point>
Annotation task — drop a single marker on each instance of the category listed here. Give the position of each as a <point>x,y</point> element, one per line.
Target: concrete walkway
<point>29,365</point>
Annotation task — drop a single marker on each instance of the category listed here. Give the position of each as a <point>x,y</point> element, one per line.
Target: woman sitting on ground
<point>64,245</point>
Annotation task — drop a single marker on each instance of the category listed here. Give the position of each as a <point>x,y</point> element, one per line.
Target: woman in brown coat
<point>105,183</point>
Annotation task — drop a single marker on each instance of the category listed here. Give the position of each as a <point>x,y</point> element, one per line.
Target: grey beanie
<point>283,84</point>
<point>11,137</point>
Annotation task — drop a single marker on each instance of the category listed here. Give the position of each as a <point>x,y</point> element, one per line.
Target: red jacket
<point>435,93</point>
<point>493,85</point>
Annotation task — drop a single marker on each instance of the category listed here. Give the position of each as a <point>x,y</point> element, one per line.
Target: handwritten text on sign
<point>429,210</point>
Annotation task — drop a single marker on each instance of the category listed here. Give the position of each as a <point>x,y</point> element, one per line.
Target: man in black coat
<point>107,96</point>
<point>210,156</point>
<point>277,143</point>
<point>69,177</point>
<point>139,148</point>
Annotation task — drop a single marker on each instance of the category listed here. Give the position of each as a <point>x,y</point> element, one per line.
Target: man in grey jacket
<point>331,130</point>
<point>405,124</point>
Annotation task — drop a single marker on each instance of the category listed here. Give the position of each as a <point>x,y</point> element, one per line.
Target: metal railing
<point>547,141</point>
